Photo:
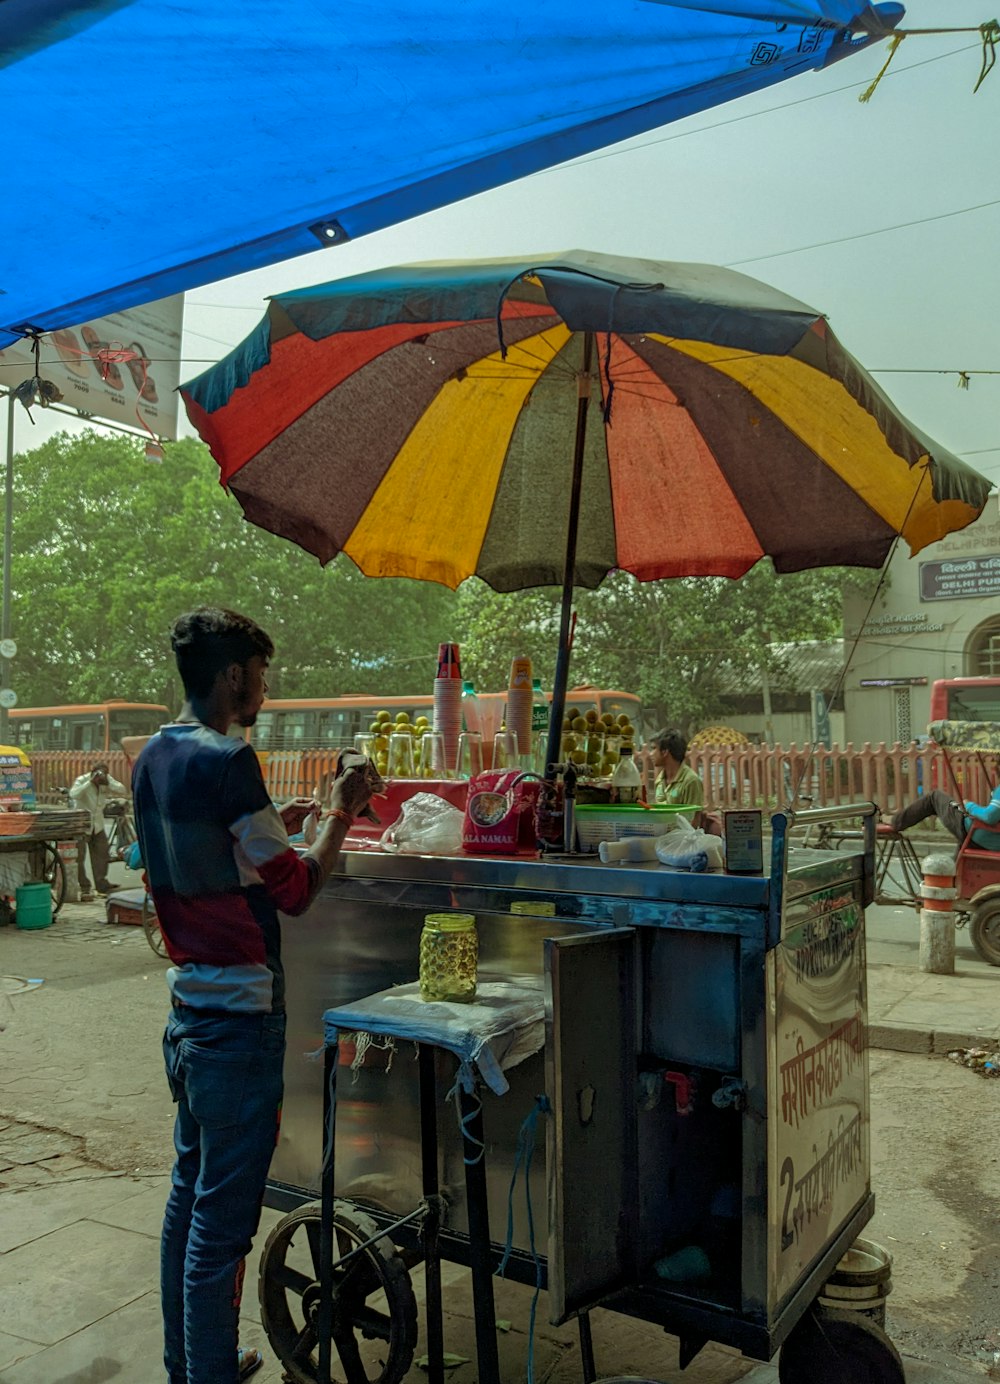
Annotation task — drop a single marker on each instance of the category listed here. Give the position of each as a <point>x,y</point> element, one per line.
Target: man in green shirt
<point>675,782</point>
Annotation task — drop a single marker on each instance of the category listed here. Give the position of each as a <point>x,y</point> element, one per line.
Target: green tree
<point>668,641</point>
<point>108,549</point>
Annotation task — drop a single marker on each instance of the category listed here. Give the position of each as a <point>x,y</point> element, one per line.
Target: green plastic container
<point>33,906</point>
<point>597,822</point>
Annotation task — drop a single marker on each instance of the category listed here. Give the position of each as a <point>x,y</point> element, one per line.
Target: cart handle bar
<point>833,813</point>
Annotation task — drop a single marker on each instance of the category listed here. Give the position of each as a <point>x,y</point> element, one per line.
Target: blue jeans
<point>225,1074</point>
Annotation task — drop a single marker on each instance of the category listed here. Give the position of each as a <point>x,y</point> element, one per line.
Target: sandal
<point>248,1361</point>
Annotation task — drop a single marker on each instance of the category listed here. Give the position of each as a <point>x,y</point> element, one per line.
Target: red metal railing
<point>890,776</point>
<point>751,777</point>
<point>288,773</point>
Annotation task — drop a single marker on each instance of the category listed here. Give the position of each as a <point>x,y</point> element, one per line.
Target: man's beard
<point>245,717</point>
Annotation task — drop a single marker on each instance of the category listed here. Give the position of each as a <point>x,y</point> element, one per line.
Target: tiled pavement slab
<point>14,1349</point>
<point>38,1211</point>
<point>123,1346</point>
<point>62,1282</point>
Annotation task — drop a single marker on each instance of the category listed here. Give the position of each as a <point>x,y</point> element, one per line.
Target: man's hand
<point>356,781</point>
<point>294,814</point>
<point>98,778</point>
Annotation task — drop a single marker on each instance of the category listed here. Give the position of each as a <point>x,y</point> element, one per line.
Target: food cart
<point>704,1062</point>
<point>29,838</point>
<point>749,994</point>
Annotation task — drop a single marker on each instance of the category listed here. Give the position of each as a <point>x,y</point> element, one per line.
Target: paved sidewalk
<point>77,1262</point>
<point>910,1010</point>
<point>79,1242</point>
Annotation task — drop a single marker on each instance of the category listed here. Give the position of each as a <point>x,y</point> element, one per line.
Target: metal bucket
<point>861,1282</point>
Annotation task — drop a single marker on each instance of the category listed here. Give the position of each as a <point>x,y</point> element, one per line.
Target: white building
<point>936,616</point>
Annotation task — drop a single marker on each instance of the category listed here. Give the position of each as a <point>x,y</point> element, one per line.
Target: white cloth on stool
<point>500,1028</point>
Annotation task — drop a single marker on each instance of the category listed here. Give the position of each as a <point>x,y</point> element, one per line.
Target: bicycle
<point>54,875</point>
<point>120,830</point>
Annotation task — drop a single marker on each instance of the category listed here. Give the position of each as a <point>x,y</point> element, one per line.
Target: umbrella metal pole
<point>559,683</point>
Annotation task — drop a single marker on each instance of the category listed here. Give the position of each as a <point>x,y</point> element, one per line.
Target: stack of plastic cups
<point>448,699</point>
<point>519,703</point>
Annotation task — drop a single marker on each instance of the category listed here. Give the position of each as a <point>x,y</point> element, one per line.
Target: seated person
<point>953,817</point>
<point>675,782</point>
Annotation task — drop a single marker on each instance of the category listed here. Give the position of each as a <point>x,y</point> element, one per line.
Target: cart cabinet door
<point>591,1074</point>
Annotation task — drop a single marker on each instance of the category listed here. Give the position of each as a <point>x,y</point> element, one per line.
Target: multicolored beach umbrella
<point>543,422</point>
<point>423,420</point>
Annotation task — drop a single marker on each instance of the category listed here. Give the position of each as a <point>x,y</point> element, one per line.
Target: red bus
<point>965,699</point>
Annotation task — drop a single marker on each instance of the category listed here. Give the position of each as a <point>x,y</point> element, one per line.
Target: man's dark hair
<point>207,640</point>
<point>101,767</point>
<point>671,742</point>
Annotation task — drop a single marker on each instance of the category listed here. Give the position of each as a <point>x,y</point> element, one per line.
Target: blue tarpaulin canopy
<point>162,146</point>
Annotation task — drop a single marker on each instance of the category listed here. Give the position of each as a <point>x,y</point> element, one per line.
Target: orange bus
<point>331,723</point>
<point>99,726</point>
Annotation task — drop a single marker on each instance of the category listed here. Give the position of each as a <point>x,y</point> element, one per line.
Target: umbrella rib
<point>671,341</point>
<point>505,368</point>
<point>509,367</point>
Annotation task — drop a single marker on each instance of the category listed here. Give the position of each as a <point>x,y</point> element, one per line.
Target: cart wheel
<point>833,1347</point>
<point>984,930</point>
<point>151,927</point>
<point>374,1310</point>
<point>54,875</point>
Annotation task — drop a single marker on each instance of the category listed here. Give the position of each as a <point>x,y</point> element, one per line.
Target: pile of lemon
<point>382,727</point>
<point>718,737</point>
<point>593,741</point>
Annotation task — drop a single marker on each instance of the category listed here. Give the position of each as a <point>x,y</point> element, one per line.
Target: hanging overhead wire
<point>736,119</point>
<point>864,235</point>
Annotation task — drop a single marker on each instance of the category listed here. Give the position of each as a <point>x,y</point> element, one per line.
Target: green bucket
<point>33,905</point>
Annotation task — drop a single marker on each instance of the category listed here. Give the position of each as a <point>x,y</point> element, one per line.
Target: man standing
<point>219,868</point>
<point>91,792</point>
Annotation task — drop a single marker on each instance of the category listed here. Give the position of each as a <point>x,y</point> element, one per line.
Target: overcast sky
<point>909,282</point>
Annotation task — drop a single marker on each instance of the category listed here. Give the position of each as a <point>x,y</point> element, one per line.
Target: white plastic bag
<point>427,826</point>
<point>688,849</point>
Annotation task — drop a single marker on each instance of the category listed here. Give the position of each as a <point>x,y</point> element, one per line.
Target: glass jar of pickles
<point>449,951</point>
